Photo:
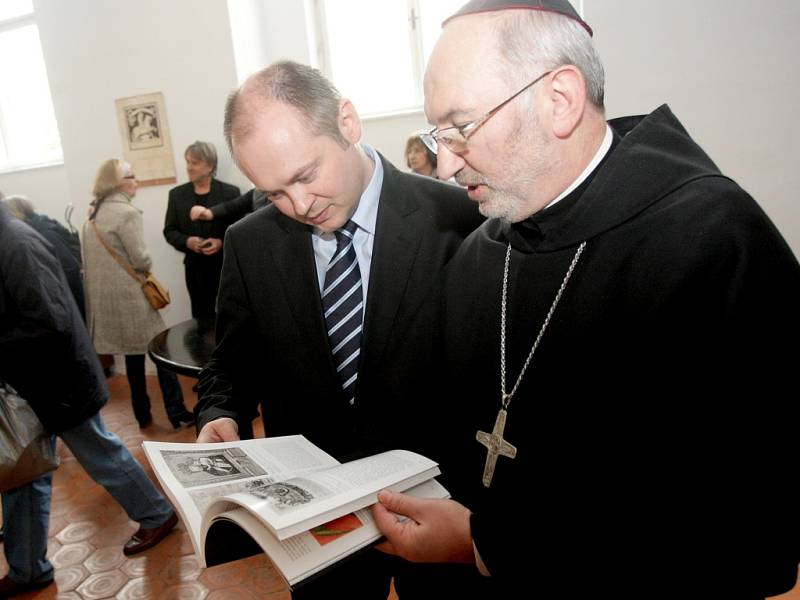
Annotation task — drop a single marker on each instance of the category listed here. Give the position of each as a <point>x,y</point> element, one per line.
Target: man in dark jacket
<point>324,305</point>
<point>201,242</point>
<point>65,244</point>
<point>46,355</point>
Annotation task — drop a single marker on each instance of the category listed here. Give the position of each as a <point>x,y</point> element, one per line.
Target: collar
<point>528,234</point>
<point>366,214</point>
<point>605,146</point>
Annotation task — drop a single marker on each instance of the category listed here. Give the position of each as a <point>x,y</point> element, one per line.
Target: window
<point>375,52</point>
<point>28,131</point>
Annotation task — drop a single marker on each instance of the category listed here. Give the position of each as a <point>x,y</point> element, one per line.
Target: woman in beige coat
<point>119,317</point>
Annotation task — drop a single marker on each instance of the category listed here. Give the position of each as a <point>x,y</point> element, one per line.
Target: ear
<point>568,100</point>
<point>349,121</point>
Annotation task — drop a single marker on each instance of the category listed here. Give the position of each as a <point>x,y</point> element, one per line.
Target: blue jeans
<point>26,510</point>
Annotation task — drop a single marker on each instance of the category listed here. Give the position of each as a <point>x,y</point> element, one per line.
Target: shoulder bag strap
<point>116,256</point>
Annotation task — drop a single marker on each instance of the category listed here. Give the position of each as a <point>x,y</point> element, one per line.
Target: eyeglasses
<point>457,137</point>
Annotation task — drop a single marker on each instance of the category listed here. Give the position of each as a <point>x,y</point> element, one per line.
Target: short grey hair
<point>299,86</point>
<point>531,41</point>
<point>204,151</point>
<point>19,207</point>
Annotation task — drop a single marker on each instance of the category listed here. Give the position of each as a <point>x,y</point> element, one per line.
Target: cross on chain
<point>495,446</point>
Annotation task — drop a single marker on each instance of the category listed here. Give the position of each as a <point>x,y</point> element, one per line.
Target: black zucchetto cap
<point>562,7</point>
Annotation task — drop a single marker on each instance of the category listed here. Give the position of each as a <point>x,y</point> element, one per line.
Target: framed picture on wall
<point>145,138</point>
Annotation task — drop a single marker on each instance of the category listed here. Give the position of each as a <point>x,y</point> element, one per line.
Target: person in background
<point>419,157</point>
<point>232,210</point>
<point>616,415</point>
<point>66,245</point>
<point>324,303</point>
<point>200,241</point>
<point>119,317</point>
<point>47,356</point>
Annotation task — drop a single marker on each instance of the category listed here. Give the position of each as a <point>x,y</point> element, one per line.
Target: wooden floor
<point>88,529</point>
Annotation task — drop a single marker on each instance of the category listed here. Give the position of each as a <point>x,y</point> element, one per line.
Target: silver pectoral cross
<point>495,446</point>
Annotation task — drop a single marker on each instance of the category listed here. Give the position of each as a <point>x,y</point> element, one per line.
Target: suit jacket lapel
<point>397,241</point>
<point>294,260</point>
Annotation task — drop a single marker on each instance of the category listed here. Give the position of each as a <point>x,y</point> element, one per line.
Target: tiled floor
<point>88,529</point>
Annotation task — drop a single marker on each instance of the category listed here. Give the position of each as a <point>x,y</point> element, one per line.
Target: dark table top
<point>184,348</point>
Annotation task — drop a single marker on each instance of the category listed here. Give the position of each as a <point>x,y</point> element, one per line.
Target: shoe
<point>144,421</point>
<point>146,538</point>
<point>9,587</point>
<point>184,417</point>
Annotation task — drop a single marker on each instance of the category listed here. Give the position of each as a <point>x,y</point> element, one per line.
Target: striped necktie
<point>342,303</point>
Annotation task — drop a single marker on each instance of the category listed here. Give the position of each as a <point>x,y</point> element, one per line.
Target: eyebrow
<point>299,173</point>
<point>451,115</point>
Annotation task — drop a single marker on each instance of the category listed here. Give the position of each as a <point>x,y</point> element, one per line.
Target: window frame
<point>10,166</point>
<point>322,53</point>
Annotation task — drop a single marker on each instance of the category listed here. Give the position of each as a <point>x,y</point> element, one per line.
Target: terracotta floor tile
<point>232,593</point>
<point>223,576</point>
<point>57,523</point>
<point>69,578</point>
<point>114,534</point>
<point>185,542</point>
<point>263,576</point>
<point>53,545</point>
<point>141,588</point>
<point>77,531</point>
<point>71,554</point>
<point>105,559</point>
<point>189,590</point>
<point>138,566</point>
<point>167,552</point>
<point>184,568</point>
<point>102,585</point>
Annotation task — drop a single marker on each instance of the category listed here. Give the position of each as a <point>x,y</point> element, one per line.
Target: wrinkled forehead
<point>463,68</point>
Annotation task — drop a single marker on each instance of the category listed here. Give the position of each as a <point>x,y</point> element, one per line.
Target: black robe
<point>656,424</point>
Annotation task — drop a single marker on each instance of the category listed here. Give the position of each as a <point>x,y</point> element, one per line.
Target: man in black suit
<point>295,138</point>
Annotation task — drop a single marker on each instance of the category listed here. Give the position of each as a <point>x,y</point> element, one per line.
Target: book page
<point>194,476</point>
<point>303,555</point>
<point>291,506</point>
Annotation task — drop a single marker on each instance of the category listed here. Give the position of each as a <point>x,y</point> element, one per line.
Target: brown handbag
<point>157,295</point>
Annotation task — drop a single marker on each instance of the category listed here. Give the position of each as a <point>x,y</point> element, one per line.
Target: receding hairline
<point>249,102</point>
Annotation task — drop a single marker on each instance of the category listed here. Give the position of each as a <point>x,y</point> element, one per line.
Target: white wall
<point>96,52</point>
<point>726,67</point>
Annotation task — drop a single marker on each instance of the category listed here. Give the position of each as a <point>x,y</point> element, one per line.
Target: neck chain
<point>505,398</point>
<point>494,442</point>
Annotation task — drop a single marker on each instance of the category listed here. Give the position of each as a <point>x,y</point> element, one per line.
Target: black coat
<point>178,227</point>
<point>45,351</point>
<point>656,424</point>
<point>233,210</point>
<point>67,248</point>
<point>273,348</point>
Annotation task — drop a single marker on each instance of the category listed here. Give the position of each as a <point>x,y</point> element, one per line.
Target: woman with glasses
<point>119,317</point>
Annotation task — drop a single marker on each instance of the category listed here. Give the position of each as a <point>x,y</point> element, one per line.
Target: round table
<point>184,348</point>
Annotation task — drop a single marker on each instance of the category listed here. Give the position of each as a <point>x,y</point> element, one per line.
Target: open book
<point>282,495</point>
